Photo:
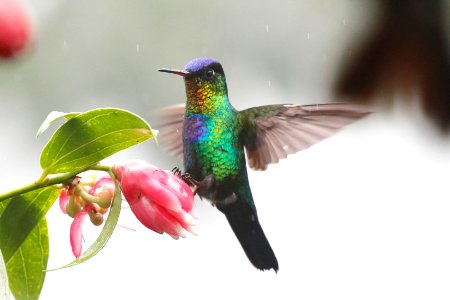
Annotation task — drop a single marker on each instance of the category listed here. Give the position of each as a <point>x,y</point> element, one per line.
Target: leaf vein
<point>24,272</point>
<point>94,140</point>
<point>11,232</point>
<point>80,127</point>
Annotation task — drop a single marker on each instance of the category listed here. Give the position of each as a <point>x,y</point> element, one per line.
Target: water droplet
<point>267,27</point>
<point>138,48</point>
<point>307,35</point>
<point>64,46</point>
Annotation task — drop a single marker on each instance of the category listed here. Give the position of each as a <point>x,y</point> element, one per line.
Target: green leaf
<point>4,287</point>
<point>26,267</point>
<point>106,232</point>
<point>3,205</point>
<point>21,214</point>
<point>52,117</point>
<point>24,240</point>
<point>92,136</point>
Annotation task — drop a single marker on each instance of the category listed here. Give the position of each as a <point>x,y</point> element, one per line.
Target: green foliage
<point>106,233</point>
<point>24,240</point>
<point>25,268</point>
<point>78,145</point>
<point>4,286</point>
<point>21,215</point>
<point>92,136</point>
<point>52,117</point>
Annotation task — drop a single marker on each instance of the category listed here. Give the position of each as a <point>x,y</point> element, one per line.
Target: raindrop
<point>307,35</point>
<point>267,27</point>
<point>270,83</point>
<point>64,46</point>
<point>138,48</point>
<point>344,21</point>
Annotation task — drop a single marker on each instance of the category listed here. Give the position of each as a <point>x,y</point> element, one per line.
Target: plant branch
<point>45,181</point>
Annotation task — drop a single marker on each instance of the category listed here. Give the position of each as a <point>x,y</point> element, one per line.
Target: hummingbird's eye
<point>209,73</point>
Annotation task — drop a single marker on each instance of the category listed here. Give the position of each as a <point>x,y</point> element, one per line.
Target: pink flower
<point>15,27</point>
<point>76,236</point>
<point>82,198</point>
<point>160,200</point>
<point>64,199</point>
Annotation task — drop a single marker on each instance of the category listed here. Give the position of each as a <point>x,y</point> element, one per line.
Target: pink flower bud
<point>96,217</point>
<point>74,206</point>
<point>15,27</point>
<point>160,200</point>
<point>105,198</point>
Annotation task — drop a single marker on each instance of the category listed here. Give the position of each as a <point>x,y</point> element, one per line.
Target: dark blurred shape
<point>406,52</point>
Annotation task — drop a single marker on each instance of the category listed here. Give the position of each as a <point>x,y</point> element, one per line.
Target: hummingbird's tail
<point>244,222</point>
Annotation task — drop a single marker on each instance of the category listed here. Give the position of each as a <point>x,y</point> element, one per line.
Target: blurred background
<point>362,215</point>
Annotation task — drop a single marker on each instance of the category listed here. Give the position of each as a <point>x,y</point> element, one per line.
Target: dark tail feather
<point>244,222</point>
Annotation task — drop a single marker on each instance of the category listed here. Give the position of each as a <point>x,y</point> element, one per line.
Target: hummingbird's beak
<point>183,73</point>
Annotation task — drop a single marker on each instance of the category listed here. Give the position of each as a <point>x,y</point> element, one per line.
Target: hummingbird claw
<point>176,171</point>
<point>186,177</point>
<point>191,181</point>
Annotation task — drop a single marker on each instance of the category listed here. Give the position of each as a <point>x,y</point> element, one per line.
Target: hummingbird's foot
<point>176,171</point>
<point>191,181</point>
<point>186,177</point>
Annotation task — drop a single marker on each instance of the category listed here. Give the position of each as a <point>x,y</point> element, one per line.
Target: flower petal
<point>76,236</point>
<point>132,166</point>
<point>185,220</point>
<point>154,217</point>
<point>161,200</point>
<point>151,183</point>
<point>63,200</point>
<point>159,192</point>
<point>182,189</point>
<point>193,212</point>
<point>104,181</point>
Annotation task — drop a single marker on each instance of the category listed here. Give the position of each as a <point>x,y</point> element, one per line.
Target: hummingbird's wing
<point>169,122</point>
<point>273,132</point>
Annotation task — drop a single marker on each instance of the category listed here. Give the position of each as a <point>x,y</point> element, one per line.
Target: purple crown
<point>199,63</point>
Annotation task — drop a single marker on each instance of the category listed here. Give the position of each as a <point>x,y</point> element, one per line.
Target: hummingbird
<point>213,138</point>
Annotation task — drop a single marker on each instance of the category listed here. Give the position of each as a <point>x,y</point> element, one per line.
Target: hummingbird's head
<point>204,79</point>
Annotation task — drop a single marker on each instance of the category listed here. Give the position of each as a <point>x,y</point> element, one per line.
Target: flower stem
<point>85,195</point>
<point>101,168</point>
<point>45,181</point>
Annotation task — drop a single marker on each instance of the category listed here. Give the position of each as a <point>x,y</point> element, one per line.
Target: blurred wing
<point>273,132</point>
<point>170,125</point>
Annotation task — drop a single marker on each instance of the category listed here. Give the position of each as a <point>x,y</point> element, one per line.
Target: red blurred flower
<point>85,197</point>
<point>160,200</point>
<point>15,27</point>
